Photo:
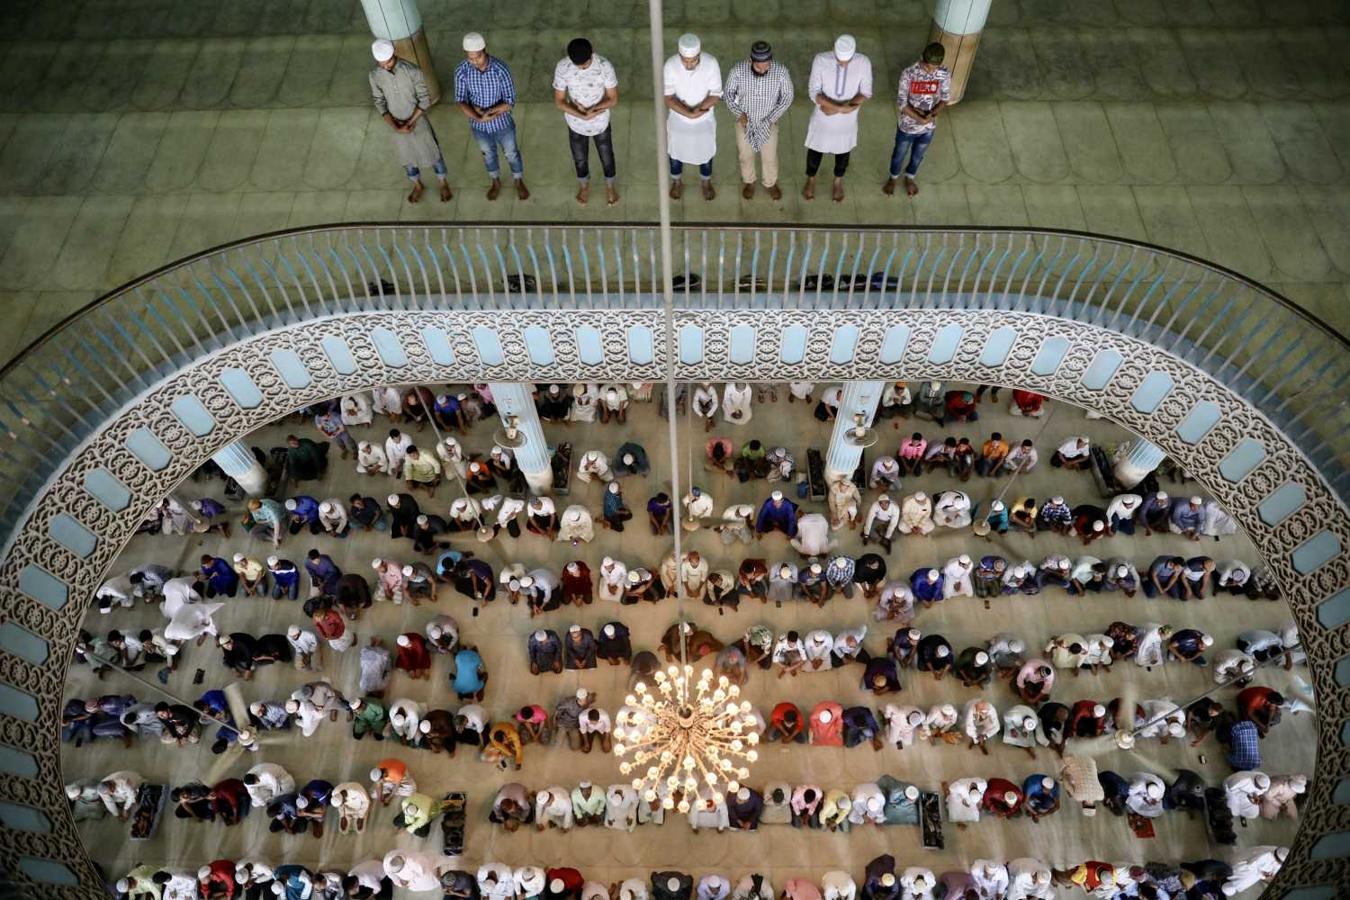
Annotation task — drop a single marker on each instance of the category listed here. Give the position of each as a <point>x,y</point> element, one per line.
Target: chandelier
<point>689,735</point>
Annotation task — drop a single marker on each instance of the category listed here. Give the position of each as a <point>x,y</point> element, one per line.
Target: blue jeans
<point>913,145</point>
<point>487,145</point>
<point>677,169</point>
<point>415,173</point>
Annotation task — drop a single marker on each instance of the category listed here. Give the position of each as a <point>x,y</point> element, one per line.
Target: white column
<point>400,21</point>
<point>1139,459</point>
<point>956,26</point>
<point>859,397</point>
<point>237,461</point>
<point>513,399</point>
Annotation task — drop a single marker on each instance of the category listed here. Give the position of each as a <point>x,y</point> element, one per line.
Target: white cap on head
<point>556,885</point>
<point>376,774</point>
<point>273,560</point>
<point>981,658</point>
<point>376,563</point>
<point>1154,789</point>
<point>382,50</point>
<point>996,506</point>
<point>407,571</point>
<point>913,634</point>
<point>293,631</point>
<point>888,879</point>
<point>844,47</point>
<point>689,48</point>
<point>826,715</point>
<point>1098,525</point>
<point>526,581</point>
<point>1059,501</point>
<point>73,791</point>
<point>1162,495</point>
<point>423,521</point>
<point>1196,500</point>
<point>743,794</point>
<point>392,499</point>
<point>1261,780</point>
<point>290,504</point>
<point>292,706</point>
<point>964,559</point>
<point>203,873</point>
<point>424,726</point>
<point>1048,783</point>
<point>239,557</point>
<point>1207,640</point>
<point>473,42</point>
<point>934,574</point>
<point>815,568</point>
<point>1099,710</point>
<point>673,883</point>
<point>301,802</point>
<point>777,495</point>
<point>592,455</point>
<point>920,496</point>
<point>911,792</point>
<point>609,631</point>
<point>943,652</point>
<point>541,635</point>
<point>634,577</point>
<point>325,507</point>
<point>574,629</point>
<point>1010,797</point>
<point>581,694</point>
<point>403,641</point>
<point>1122,570</point>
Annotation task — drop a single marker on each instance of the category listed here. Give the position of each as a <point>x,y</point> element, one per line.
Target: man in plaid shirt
<point>758,92</point>
<point>486,93</point>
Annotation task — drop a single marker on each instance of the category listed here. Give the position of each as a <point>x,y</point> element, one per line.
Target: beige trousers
<point>769,153</point>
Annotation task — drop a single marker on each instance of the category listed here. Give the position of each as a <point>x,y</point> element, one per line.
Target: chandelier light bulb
<point>649,795</point>
<point>667,803</point>
<point>684,806</point>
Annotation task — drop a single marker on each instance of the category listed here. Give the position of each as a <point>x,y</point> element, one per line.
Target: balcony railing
<point>61,388</point>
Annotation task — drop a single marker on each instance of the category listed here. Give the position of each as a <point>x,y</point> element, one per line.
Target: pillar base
<point>237,461</point>
<point>960,57</point>
<point>539,483</point>
<point>415,50</point>
<point>1137,462</point>
<point>1129,473</point>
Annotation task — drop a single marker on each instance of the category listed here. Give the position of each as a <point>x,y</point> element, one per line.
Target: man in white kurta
<point>840,82</point>
<point>576,525</point>
<point>402,99</point>
<point>692,83</point>
<point>736,398</point>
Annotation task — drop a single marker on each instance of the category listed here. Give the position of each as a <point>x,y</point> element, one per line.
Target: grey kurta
<point>399,93</point>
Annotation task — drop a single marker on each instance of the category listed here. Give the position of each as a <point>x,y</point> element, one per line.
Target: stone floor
<point>135,132</point>
<point>500,632</point>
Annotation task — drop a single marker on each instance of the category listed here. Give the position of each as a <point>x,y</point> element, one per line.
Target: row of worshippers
<point>1023,878</point>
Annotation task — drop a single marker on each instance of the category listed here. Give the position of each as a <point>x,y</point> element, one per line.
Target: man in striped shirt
<point>758,91</point>
<point>486,93</point>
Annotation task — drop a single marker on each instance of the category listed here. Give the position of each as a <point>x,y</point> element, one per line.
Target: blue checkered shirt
<point>1245,754</point>
<point>486,89</point>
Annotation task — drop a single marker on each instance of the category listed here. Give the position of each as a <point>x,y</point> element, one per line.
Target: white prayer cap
<point>301,802</point>
<point>943,652</point>
<point>1017,645</point>
<point>996,506</point>
<point>556,885</point>
<point>1154,789</point>
<point>292,706</point>
<point>888,879</point>
<point>376,774</point>
<point>581,694</point>
<point>815,568</point>
<point>376,563</point>
<point>920,496</point>
<point>257,707</point>
<point>689,48</point>
<point>403,641</point>
<point>382,50</point>
<point>73,791</point>
<point>1048,783</point>
<point>613,487</point>
<point>273,560</point>
<point>1162,495</point>
<point>325,507</point>
<point>1176,729</point>
<point>826,715</point>
<point>981,658</point>
<point>473,42</point>
<point>933,574</point>
<point>223,640</point>
<point>1057,500</point>
<point>1009,797</point>
<point>609,631</point>
<point>1196,501</point>
<point>673,883</point>
<point>290,504</point>
<point>1099,710</point>
<point>393,499</point>
<point>239,557</point>
<point>874,803</point>
<point>628,459</point>
<point>526,581</point>
<point>423,521</point>
<point>844,48</point>
<point>407,571</point>
<point>777,495</point>
<point>1122,570</point>
<point>634,577</point>
<point>574,516</point>
<point>203,873</point>
<point>1098,525</point>
<point>592,454</point>
<point>574,629</point>
<point>607,561</point>
<point>964,559</point>
<point>1207,640</point>
<point>913,634</point>
<point>583,784</point>
<point>424,726</point>
<point>912,792</point>
<point>743,794</point>
<point>1029,724</point>
<point>364,445</point>
<point>293,631</point>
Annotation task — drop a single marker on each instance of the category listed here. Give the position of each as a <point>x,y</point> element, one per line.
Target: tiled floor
<point>134,132</point>
<point>500,633</point>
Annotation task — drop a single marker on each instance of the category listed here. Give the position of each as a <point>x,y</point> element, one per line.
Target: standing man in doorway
<point>586,88</point>
<point>401,97</point>
<point>841,82</point>
<point>758,93</point>
<point>925,88</point>
<point>486,93</point>
<point>693,85</point>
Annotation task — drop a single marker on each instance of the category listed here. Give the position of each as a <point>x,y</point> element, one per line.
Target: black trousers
<point>581,151</point>
<point>813,158</point>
